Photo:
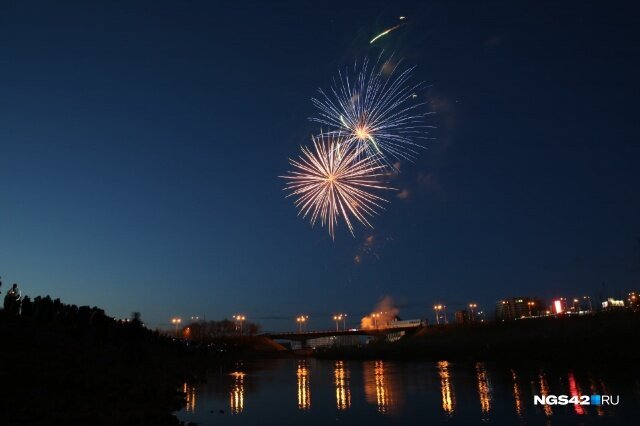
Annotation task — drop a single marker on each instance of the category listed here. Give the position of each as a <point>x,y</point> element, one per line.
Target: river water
<point>318,392</point>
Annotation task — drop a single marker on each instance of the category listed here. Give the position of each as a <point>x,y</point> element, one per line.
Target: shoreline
<point>77,366</point>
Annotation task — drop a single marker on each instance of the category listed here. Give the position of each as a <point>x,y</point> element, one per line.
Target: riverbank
<point>64,373</point>
<point>64,364</point>
<point>604,338</point>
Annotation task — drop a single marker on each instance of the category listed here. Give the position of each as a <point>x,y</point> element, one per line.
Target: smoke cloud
<point>384,312</point>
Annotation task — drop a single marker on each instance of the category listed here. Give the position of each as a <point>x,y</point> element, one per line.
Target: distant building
<point>612,305</point>
<point>559,306</point>
<point>517,308</point>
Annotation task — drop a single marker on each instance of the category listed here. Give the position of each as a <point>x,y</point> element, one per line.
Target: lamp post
<point>472,307</point>
<point>176,322</point>
<point>437,308</point>
<point>337,319</point>
<point>340,317</point>
<point>530,304</point>
<point>302,319</point>
<point>375,320</point>
<point>239,320</point>
<point>589,299</point>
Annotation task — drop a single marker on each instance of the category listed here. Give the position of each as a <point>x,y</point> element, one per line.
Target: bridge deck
<point>307,335</point>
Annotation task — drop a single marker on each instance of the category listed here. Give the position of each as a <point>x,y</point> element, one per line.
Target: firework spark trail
<point>385,32</point>
<point>335,180</point>
<point>372,110</point>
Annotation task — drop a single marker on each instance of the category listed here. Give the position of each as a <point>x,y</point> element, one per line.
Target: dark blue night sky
<point>141,144</point>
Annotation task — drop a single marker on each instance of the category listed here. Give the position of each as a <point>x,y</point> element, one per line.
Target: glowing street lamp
<point>375,319</point>
<point>176,322</point>
<point>340,317</point>
<point>530,304</point>
<point>589,299</point>
<point>301,320</point>
<point>438,309</point>
<point>472,307</point>
<point>239,320</point>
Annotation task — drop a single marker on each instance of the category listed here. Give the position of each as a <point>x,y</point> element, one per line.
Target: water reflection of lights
<point>484,388</point>
<point>517,393</point>
<point>382,393</point>
<point>190,395</point>
<point>574,390</point>
<point>236,396</point>
<point>378,386</point>
<point>448,396</point>
<point>343,393</point>
<point>304,391</point>
<point>544,391</point>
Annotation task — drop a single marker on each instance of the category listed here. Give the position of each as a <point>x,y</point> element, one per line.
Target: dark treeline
<point>68,364</point>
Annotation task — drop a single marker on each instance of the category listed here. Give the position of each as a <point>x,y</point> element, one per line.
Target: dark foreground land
<point>55,372</point>
<point>603,338</point>
<point>62,364</point>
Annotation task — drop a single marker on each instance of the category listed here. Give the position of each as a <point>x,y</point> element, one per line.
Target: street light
<point>589,299</point>
<point>239,319</point>
<point>176,322</point>
<point>340,317</point>
<point>576,306</point>
<point>437,308</point>
<point>302,319</point>
<point>472,307</point>
<point>375,319</point>
<point>530,304</point>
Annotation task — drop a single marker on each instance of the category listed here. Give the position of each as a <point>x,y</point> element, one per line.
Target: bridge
<point>303,336</point>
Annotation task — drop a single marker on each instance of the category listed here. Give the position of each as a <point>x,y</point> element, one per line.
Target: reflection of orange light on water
<point>382,395</point>
<point>236,396</point>
<point>190,395</point>
<point>484,388</point>
<point>446,388</point>
<point>379,386</point>
<point>574,390</point>
<point>304,391</point>
<point>343,393</point>
<point>544,391</point>
<point>517,393</point>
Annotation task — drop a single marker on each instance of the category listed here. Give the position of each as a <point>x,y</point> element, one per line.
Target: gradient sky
<point>141,144</point>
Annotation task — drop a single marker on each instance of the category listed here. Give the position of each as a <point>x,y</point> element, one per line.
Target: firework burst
<point>335,180</point>
<point>376,108</point>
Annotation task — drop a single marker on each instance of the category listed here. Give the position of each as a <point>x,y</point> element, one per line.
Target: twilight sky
<point>141,144</point>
